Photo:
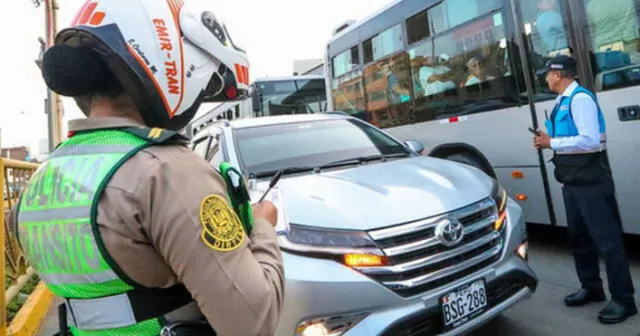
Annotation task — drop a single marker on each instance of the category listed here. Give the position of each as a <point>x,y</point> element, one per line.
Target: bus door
<point>546,29</point>
<point>612,40</point>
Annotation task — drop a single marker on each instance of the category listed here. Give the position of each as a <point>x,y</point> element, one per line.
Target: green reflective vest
<point>56,225</point>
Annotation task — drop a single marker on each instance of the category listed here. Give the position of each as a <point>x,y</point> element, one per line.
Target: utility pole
<point>53,104</point>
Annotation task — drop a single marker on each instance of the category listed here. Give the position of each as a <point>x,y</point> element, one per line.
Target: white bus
<point>288,95</point>
<point>270,96</point>
<point>462,76</point>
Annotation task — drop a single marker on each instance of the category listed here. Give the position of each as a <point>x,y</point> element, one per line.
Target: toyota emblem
<point>450,231</point>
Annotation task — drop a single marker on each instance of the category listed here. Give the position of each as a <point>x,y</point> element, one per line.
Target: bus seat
<point>612,59</point>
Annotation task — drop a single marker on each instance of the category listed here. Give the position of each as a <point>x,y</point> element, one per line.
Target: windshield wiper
<point>290,170</point>
<point>345,162</point>
<point>363,159</point>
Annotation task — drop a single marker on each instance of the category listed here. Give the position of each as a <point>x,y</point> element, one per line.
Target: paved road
<point>544,314</point>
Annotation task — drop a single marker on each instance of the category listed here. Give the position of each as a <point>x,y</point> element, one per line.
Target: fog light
<point>329,326</point>
<point>522,250</point>
<point>316,329</point>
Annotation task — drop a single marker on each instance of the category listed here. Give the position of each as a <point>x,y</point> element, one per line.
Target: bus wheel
<point>470,160</point>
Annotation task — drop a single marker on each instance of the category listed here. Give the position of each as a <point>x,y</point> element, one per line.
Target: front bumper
<point>317,288</point>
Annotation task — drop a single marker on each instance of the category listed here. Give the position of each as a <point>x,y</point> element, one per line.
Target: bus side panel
<point>502,137</point>
<point>623,142</point>
<point>531,185</point>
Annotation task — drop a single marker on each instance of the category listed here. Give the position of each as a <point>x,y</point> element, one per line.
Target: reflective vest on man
<point>58,232</point>
<point>576,166</point>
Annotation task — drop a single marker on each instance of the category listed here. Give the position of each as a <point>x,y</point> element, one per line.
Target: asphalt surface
<point>545,313</point>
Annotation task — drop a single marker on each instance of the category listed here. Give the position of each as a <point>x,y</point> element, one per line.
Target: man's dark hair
<point>566,74</point>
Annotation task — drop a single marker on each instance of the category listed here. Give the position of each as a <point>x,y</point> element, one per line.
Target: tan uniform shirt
<point>150,220</point>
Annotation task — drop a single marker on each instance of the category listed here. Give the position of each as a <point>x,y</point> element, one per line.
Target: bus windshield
<point>289,96</point>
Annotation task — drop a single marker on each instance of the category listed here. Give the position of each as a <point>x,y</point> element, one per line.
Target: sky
<point>274,33</point>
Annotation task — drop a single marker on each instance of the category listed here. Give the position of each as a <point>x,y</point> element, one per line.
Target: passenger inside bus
<point>434,76</point>
<point>550,26</point>
<point>397,88</point>
<point>477,71</point>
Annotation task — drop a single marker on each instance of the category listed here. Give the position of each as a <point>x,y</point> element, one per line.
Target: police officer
<point>578,139</point>
<point>126,224</point>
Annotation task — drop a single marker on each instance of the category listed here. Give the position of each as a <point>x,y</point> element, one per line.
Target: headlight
<point>499,195</point>
<point>353,248</point>
<point>329,326</point>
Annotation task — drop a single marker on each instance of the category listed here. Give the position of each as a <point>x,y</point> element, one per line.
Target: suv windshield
<point>307,145</point>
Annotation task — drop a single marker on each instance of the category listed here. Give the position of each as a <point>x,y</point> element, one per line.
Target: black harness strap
<point>155,303</point>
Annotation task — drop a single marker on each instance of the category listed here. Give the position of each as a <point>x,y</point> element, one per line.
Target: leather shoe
<point>616,312</point>
<point>584,296</point>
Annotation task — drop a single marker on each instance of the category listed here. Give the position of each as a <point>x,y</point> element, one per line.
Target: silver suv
<point>377,239</point>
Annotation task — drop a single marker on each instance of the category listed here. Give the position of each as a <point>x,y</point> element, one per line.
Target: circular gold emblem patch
<point>222,230</point>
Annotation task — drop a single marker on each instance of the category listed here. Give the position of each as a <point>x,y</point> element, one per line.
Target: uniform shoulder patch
<point>221,227</point>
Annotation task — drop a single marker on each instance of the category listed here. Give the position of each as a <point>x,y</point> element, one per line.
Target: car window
<point>312,143</point>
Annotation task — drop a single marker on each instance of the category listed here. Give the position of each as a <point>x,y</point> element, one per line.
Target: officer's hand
<point>266,210</point>
<point>542,141</point>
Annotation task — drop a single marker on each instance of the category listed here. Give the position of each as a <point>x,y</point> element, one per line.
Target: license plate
<point>463,304</point>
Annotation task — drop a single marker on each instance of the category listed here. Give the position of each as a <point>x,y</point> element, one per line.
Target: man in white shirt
<point>434,77</point>
<point>578,139</point>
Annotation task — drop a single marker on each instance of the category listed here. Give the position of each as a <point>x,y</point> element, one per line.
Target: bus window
<point>418,27</point>
<point>452,13</point>
<point>615,42</point>
<point>467,69</point>
<point>388,91</point>
<point>347,94</point>
<point>346,83</point>
<point>383,44</point>
<point>545,28</point>
<point>345,62</point>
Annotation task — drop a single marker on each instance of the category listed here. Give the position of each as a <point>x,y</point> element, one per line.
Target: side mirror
<point>415,146</point>
<point>255,102</point>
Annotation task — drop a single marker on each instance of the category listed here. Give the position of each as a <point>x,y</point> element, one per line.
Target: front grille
<point>419,261</point>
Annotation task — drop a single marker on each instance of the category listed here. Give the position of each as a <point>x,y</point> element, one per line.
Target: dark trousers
<point>595,229</point>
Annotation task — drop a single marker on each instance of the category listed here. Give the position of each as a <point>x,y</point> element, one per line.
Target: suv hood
<point>379,194</point>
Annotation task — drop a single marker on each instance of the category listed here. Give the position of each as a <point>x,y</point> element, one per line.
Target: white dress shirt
<point>585,116</point>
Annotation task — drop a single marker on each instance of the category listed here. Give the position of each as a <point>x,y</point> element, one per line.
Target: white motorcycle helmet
<point>168,56</point>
